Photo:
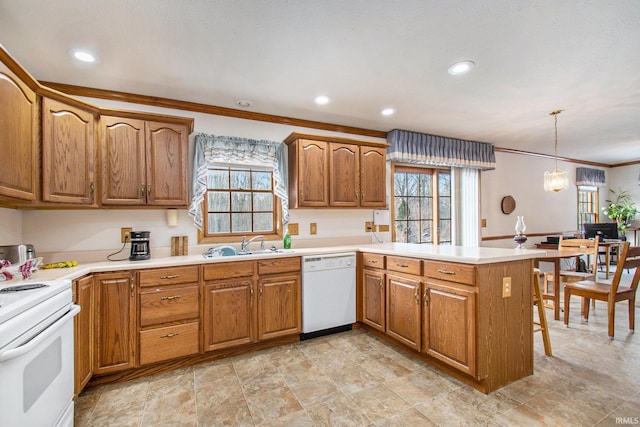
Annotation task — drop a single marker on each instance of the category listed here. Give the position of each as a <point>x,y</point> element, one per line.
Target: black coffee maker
<point>140,246</point>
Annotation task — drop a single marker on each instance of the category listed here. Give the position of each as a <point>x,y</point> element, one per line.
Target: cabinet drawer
<point>404,265</point>
<point>168,276</point>
<point>228,270</point>
<point>278,265</point>
<point>372,260</point>
<point>459,273</point>
<point>168,343</point>
<point>168,304</point>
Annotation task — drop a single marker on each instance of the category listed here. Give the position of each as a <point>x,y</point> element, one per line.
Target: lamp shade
<point>556,180</point>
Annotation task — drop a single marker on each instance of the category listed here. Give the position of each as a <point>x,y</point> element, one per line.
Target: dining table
<point>554,256</point>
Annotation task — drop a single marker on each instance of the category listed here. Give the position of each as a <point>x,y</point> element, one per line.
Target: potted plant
<point>621,210</point>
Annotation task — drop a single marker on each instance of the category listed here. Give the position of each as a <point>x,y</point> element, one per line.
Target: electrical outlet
<point>293,228</point>
<point>313,228</point>
<point>383,228</point>
<point>506,287</point>
<point>369,227</point>
<point>125,234</point>
<point>484,222</point>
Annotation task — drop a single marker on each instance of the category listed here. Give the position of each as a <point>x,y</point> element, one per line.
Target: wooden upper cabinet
<point>373,172</point>
<point>122,159</point>
<point>18,137</point>
<point>144,162</point>
<point>68,153</point>
<point>333,172</point>
<point>344,177</point>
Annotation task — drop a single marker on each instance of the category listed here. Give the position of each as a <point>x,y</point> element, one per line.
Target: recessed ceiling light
<point>389,111</point>
<point>84,56</point>
<point>461,67</point>
<point>322,99</point>
<point>244,104</point>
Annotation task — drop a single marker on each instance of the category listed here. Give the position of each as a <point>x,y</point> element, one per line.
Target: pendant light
<point>556,180</point>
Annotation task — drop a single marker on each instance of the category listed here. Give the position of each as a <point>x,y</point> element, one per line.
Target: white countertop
<point>466,255</point>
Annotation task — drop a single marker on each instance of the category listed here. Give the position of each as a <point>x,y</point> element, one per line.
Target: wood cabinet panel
<point>373,176</point>
<point>168,342</point>
<point>278,265</point>
<point>115,322</point>
<point>344,176</point>
<point>373,298</point>
<point>228,270</point>
<point>459,273</point>
<point>168,276</point>
<point>279,306</point>
<point>19,137</point>
<point>83,332</point>
<point>313,174</point>
<point>68,154</point>
<point>167,164</point>
<point>122,156</point>
<point>228,314</point>
<point>404,265</point>
<point>449,327</point>
<point>404,309</point>
<point>373,260</point>
<point>169,304</point>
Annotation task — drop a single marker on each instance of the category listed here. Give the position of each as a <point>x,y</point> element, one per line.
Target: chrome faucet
<point>245,242</point>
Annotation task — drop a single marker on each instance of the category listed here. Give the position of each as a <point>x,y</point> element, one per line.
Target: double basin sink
<point>231,251</point>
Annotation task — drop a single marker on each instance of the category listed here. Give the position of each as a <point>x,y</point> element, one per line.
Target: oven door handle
<point>28,346</point>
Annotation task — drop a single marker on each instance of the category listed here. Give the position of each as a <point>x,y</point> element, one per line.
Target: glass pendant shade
<point>556,180</point>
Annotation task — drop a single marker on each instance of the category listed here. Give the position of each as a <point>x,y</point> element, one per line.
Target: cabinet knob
<point>142,191</point>
<point>425,297</point>
<point>132,286</point>
<point>91,189</point>
<point>416,295</point>
<point>149,190</point>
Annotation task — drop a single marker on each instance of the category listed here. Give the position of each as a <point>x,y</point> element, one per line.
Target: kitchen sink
<point>265,251</point>
<point>224,251</point>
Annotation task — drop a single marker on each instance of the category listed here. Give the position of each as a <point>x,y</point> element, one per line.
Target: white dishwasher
<point>328,293</point>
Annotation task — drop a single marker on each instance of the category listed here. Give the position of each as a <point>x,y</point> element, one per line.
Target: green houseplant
<point>621,210</point>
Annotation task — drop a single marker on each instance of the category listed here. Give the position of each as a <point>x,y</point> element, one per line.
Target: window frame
<point>594,193</point>
<point>276,234</point>
<point>434,171</point>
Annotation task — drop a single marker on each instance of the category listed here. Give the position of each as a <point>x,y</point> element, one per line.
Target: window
<point>239,201</point>
<point>421,198</point>
<point>587,205</point>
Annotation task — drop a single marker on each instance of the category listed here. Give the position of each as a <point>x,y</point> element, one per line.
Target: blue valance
<point>590,177</point>
<point>212,150</point>
<point>422,148</point>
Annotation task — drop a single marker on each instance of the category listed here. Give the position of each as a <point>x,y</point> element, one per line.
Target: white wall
<point>10,227</point>
<point>625,178</point>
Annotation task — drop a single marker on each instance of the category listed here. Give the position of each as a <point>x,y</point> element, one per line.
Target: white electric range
<point>36,353</point>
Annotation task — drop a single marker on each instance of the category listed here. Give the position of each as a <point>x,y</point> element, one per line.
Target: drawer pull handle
<point>170,297</point>
<point>170,276</point>
<point>416,295</point>
<point>171,335</point>
<point>372,261</point>
<point>449,272</point>
<point>402,265</point>
<point>425,297</point>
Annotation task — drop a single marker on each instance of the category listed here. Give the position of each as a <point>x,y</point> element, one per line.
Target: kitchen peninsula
<point>467,311</point>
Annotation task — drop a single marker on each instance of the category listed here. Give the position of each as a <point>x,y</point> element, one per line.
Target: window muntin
<point>421,198</point>
<point>239,201</point>
<point>587,206</point>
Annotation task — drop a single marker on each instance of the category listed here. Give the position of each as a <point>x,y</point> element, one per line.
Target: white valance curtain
<point>213,150</point>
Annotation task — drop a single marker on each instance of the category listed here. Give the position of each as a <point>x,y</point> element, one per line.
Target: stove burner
<point>19,288</point>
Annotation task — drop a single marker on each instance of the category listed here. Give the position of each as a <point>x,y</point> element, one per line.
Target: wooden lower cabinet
<point>229,313</point>
<point>168,342</point>
<point>373,296</point>
<point>449,325</point>
<point>404,295</point>
<point>115,322</point>
<point>83,332</point>
<point>279,306</point>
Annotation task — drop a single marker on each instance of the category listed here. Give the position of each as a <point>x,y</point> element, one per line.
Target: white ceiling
<point>532,57</point>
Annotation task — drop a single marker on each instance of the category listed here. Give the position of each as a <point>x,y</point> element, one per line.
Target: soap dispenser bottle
<point>286,241</point>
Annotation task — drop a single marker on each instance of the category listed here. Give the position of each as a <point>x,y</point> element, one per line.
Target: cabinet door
<point>279,306</point>
<point>373,172</point>
<point>115,322</point>
<point>449,325</point>
<point>373,299</point>
<point>404,310</point>
<point>229,314</point>
<point>68,154</point>
<point>167,164</point>
<point>83,327</point>
<point>18,138</point>
<point>123,161</point>
<point>344,177</point>
<point>313,174</point>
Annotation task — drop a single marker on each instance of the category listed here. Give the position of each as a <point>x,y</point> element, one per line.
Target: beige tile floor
<point>355,379</point>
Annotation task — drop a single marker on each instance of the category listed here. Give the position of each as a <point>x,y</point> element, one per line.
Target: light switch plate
<point>506,287</point>
<point>313,228</point>
<point>293,228</point>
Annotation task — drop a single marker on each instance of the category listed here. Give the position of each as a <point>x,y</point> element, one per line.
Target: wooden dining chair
<point>541,325</point>
<point>588,247</point>
<point>629,258</point>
